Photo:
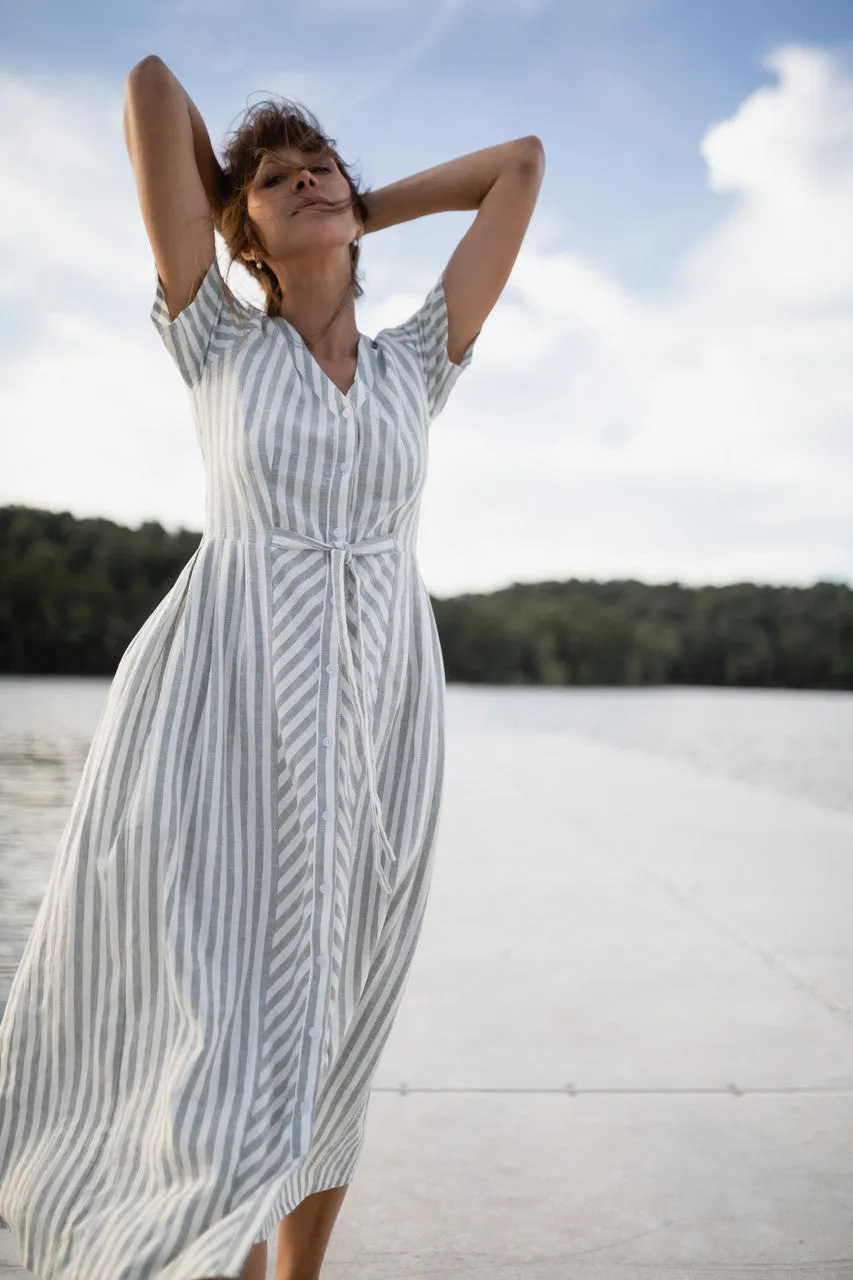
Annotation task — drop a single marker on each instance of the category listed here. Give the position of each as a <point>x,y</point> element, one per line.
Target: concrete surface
<point>626,1046</point>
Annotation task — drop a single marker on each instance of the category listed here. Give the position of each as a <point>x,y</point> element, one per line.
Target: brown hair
<point>272,123</point>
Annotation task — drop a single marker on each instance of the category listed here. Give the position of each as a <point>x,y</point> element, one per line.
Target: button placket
<point>326,837</point>
<point>340,503</point>
<point>340,520</point>
<point>345,452</point>
<point>344,411</point>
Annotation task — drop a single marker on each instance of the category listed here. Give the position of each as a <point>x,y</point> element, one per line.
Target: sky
<point>664,390</point>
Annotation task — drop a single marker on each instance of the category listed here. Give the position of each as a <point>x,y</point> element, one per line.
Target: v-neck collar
<point>317,379</point>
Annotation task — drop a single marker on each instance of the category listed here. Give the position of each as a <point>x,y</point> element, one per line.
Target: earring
<point>258,264</point>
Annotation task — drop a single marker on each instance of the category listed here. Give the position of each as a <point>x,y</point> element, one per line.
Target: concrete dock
<point>626,1047</point>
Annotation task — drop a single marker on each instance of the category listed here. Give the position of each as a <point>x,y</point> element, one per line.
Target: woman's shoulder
<point>216,319</point>
<point>418,345</point>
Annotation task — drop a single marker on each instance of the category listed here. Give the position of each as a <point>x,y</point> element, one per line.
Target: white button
<point>344,466</point>
<point>324,888</point>
<point>339,532</point>
<point>339,542</point>
<point>346,413</point>
<point>331,668</point>
<point>327,742</point>
<point>305,1107</point>
<point>319,960</point>
<point>326,815</point>
<point>313,1033</point>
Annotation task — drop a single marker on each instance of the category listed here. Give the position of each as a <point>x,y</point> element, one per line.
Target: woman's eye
<point>273,178</point>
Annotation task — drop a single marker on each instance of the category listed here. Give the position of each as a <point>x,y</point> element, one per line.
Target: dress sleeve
<point>189,338</point>
<point>425,334</point>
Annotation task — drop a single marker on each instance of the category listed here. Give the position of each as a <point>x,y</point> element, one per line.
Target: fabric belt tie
<point>341,553</point>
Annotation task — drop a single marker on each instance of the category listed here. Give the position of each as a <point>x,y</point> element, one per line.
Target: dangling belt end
<point>384,845</point>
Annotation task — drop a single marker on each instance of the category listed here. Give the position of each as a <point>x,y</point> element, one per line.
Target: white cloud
<point>69,218</point>
<point>649,430</point>
<point>98,428</point>
<point>703,433</point>
<point>88,422</point>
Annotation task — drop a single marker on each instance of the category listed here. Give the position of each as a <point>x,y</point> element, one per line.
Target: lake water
<point>793,742</point>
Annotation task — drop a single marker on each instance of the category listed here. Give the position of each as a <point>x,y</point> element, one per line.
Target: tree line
<point>74,592</point>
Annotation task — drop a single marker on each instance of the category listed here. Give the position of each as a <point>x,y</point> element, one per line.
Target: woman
<point>189,1041</point>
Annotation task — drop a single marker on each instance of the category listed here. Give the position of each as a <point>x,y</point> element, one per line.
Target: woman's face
<point>277,203</point>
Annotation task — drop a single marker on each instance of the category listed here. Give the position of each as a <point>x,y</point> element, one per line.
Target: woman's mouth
<point>309,204</point>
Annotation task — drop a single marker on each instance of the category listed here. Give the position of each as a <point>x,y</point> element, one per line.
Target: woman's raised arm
<point>179,181</point>
<point>502,183</point>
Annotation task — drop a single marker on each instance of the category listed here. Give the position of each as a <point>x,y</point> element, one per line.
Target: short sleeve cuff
<point>187,337</point>
<point>441,372</point>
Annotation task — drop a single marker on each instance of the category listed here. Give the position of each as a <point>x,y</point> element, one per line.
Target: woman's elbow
<point>146,68</point>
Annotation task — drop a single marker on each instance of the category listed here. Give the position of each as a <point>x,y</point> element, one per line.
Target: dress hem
<point>301,1182</point>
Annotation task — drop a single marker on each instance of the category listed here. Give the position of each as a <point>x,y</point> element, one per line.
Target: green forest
<point>74,592</point>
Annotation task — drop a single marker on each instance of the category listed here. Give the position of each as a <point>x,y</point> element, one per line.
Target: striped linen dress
<point>190,1036</point>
